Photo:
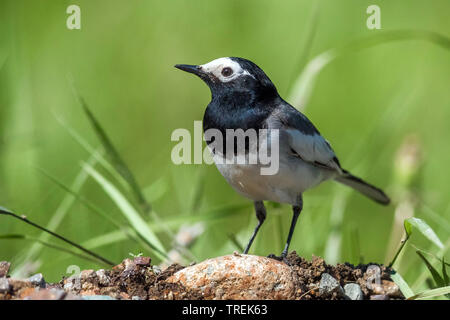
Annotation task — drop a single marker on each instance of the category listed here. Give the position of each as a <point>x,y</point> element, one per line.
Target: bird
<point>243,97</point>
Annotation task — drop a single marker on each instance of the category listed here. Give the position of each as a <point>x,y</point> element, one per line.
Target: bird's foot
<point>282,258</point>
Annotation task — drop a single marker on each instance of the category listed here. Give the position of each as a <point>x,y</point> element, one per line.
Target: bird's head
<point>228,76</point>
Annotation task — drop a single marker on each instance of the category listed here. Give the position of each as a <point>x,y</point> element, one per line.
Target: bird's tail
<point>366,189</point>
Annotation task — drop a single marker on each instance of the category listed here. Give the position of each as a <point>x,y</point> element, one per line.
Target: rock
<point>142,261</point>
<point>238,277</point>
<point>37,280</point>
<point>4,285</point>
<point>353,291</point>
<point>4,268</point>
<point>46,294</point>
<point>73,283</point>
<point>387,288</point>
<point>136,298</point>
<point>156,270</point>
<point>86,274</point>
<point>19,286</point>
<point>329,285</point>
<point>129,268</point>
<point>379,297</point>
<point>103,278</point>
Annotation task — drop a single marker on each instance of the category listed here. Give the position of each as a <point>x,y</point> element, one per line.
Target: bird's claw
<point>281,258</point>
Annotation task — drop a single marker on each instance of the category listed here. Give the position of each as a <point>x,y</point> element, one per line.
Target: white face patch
<point>216,68</point>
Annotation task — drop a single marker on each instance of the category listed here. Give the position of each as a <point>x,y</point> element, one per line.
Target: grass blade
<point>122,226</point>
<point>333,245</point>
<point>404,287</point>
<point>434,273</point>
<point>34,251</point>
<point>212,215</point>
<point>156,190</point>
<point>80,198</point>
<point>423,228</point>
<point>444,273</point>
<point>46,244</point>
<point>7,212</point>
<point>115,157</point>
<point>425,273</point>
<point>95,154</point>
<point>235,242</point>
<point>130,213</point>
<point>431,293</point>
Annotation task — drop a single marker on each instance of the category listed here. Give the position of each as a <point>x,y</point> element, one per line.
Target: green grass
<point>380,97</point>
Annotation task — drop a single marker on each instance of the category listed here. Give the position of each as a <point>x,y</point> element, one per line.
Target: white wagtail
<point>243,97</point>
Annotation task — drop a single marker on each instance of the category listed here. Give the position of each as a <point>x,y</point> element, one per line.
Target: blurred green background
<point>385,109</point>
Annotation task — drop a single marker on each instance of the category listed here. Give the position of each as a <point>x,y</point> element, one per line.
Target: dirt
<point>310,272</point>
<point>137,279</point>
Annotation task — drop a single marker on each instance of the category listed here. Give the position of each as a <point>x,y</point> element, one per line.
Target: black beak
<point>190,68</point>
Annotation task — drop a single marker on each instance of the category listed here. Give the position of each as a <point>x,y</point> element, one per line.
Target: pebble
<point>72,283</point>
<point>4,285</point>
<point>4,268</point>
<point>156,270</point>
<point>388,288</point>
<point>329,285</point>
<point>47,294</point>
<point>353,291</point>
<point>37,280</point>
<point>142,261</point>
<point>86,274</point>
<point>103,278</point>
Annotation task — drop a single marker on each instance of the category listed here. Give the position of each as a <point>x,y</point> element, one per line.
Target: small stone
<point>130,268</point>
<point>156,270</point>
<point>86,274</point>
<point>73,283</point>
<point>353,291</point>
<point>329,285</point>
<point>37,280</point>
<point>103,278</point>
<point>388,288</point>
<point>136,298</point>
<point>379,297</point>
<point>142,261</point>
<point>219,293</point>
<point>4,285</point>
<point>4,268</point>
<point>47,294</point>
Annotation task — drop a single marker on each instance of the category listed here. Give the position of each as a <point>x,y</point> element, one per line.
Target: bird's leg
<point>296,209</point>
<point>260,211</point>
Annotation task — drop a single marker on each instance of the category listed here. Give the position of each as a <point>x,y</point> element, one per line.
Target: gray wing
<point>305,141</point>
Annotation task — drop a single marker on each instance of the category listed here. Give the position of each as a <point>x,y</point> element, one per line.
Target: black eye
<point>226,72</point>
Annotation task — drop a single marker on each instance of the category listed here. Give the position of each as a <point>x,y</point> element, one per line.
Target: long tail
<point>366,189</point>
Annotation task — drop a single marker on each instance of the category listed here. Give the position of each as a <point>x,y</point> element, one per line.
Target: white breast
<point>293,177</point>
